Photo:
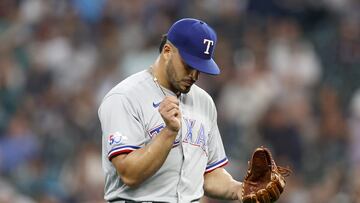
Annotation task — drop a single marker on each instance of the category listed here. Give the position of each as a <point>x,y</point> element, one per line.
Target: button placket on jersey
<point>181,145</point>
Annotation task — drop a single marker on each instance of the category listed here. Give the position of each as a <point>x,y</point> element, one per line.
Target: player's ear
<point>167,51</point>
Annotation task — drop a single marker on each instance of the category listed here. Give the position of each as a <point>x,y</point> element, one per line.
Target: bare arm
<point>220,184</point>
<point>139,165</point>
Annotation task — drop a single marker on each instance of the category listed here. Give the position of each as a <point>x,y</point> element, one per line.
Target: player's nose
<point>194,74</point>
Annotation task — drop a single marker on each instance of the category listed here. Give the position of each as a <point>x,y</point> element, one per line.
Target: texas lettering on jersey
<point>194,135</point>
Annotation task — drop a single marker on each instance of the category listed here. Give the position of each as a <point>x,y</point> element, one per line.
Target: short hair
<point>163,42</point>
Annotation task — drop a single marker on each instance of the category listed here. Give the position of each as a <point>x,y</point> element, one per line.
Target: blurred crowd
<point>290,81</point>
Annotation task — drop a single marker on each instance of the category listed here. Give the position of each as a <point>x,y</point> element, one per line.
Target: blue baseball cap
<point>196,42</point>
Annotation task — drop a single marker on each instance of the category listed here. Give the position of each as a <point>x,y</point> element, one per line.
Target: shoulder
<point>201,94</point>
<point>203,99</point>
<point>130,85</point>
<point>128,90</point>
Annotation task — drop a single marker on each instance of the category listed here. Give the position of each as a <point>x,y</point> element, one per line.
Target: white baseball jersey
<point>130,119</point>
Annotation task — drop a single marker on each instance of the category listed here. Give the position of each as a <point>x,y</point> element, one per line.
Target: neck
<point>158,70</point>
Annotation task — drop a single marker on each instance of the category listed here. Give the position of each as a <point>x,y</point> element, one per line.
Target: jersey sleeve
<point>217,156</point>
<point>122,129</point>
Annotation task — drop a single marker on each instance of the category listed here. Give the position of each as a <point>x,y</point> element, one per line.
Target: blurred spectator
<point>246,95</point>
<point>334,136</point>
<point>12,81</point>
<point>283,135</point>
<point>82,171</point>
<point>8,194</point>
<point>354,152</point>
<point>18,145</point>
<point>354,126</point>
<point>291,57</point>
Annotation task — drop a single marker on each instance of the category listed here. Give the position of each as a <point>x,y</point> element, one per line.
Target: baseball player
<point>160,138</point>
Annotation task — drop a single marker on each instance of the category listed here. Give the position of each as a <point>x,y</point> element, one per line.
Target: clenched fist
<point>170,112</point>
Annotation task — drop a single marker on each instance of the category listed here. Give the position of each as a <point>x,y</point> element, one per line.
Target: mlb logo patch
<point>116,138</point>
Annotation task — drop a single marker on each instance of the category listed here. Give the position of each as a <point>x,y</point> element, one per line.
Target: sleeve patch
<point>116,138</point>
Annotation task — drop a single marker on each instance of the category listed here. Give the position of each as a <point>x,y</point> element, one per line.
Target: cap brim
<point>207,66</point>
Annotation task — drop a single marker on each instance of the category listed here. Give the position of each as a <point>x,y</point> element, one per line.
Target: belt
<point>132,201</point>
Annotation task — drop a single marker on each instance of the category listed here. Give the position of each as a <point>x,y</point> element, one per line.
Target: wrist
<point>239,189</point>
<point>166,137</point>
<point>170,131</point>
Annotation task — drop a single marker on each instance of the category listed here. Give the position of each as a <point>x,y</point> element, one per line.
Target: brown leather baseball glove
<point>264,181</point>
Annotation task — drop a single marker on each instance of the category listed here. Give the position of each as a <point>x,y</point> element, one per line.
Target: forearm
<point>220,184</point>
<point>141,164</point>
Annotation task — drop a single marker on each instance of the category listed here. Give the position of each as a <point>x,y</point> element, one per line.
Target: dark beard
<point>174,84</point>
